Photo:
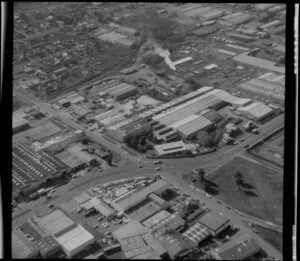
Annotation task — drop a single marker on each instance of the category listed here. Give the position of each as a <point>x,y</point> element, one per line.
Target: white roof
<point>171,147</point>
<point>183,60</point>
<point>256,109</point>
<point>194,126</point>
<point>75,239</point>
<point>101,207</point>
<point>226,52</point>
<point>184,121</point>
<point>211,66</point>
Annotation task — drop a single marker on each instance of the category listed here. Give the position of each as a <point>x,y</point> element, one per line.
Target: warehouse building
<point>196,233</point>
<point>261,7</point>
<point>129,128</point>
<point>58,142</point>
<point>214,222</point>
<point>45,131</point>
<point>157,187</point>
<point>22,247</point>
<point>112,120</point>
<point>171,148</point>
<point>256,111</point>
<point>30,167</point>
<point>71,160</point>
<point>258,62</point>
<point>145,211</point>
<point>240,248</point>
<point>56,223</point>
<point>142,246</point>
<point>100,206</point>
<point>176,102</point>
<point>213,15</point>
<point>265,88</point>
<point>189,130</point>
<point>193,106</point>
<point>133,228</point>
<point>75,240</point>
<point>121,91</point>
<point>173,243</point>
<point>172,222</point>
<point>267,26</point>
<point>156,219</point>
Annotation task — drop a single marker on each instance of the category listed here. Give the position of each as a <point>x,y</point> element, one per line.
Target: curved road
<point>173,168</point>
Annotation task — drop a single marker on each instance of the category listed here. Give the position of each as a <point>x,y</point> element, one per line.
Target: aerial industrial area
<point>148,130</point>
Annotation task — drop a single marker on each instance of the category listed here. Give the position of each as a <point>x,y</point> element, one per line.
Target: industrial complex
<point>148,130</point>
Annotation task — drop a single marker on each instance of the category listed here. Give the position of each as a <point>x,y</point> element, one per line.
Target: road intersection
<point>173,168</point>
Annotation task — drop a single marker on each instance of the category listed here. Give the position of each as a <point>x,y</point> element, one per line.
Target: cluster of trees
<point>195,85</point>
<point>239,181</point>
<point>139,142</point>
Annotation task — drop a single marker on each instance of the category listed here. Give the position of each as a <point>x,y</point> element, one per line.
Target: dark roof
<point>47,245</point>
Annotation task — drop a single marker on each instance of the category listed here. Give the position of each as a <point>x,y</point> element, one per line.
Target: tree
<point>201,175</point>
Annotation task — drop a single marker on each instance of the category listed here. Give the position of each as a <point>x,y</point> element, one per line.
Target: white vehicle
<point>158,168</point>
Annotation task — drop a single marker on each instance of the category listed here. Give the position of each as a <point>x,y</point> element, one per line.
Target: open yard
<point>260,194</point>
<point>272,150</point>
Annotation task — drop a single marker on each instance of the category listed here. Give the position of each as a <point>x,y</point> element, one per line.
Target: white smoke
<point>165,54</point>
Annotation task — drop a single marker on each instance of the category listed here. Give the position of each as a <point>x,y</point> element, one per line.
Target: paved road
<point>172,168</point>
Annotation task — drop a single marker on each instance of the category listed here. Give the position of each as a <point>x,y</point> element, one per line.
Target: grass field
<point>262,194</point>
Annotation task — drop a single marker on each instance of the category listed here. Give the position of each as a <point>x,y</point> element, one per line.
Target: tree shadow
<point>250,193</point>
<point>247,186</point>
<point>212,191</point>
<point>212,184</point>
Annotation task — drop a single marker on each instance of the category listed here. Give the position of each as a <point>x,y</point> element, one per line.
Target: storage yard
<point>114,102</point>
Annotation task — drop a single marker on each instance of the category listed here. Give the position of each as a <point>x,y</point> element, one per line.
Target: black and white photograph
<point>145,130</point>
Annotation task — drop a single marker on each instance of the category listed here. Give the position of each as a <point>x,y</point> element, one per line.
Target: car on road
<point>50,205</point>
<point>140,166</point>
<point>228,207</point>
<point>157,168</point>
<point>96,226</point>
<point>157,162</point>
<point>52,190</point>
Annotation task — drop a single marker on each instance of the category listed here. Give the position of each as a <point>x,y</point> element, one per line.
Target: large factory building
<point>129,128</point>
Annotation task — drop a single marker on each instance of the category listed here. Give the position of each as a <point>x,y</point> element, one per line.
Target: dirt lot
<point>262,193</point>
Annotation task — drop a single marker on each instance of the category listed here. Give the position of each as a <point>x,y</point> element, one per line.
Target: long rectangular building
<point>134,199</point>
<point>267,87</point>
<point>191,107</point>
<point>258,62</point>
<point>240,248</point>
<point>175,102</point>
<point>29,167</point>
